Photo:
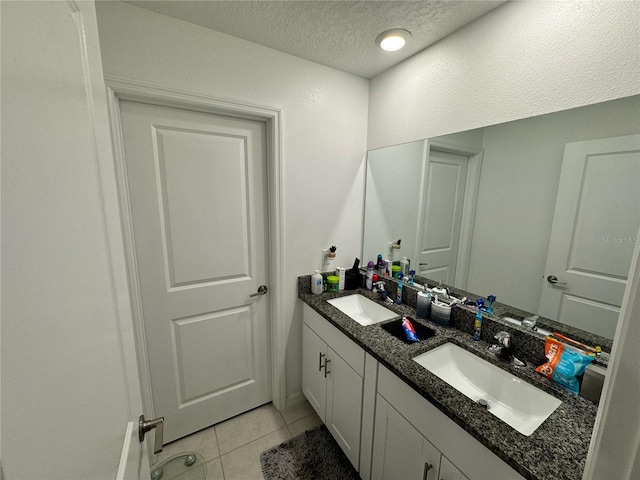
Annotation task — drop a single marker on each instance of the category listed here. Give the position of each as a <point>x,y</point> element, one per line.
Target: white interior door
<point>134,463</point>
<point>69,376</point>
<point>197,191</point>
<point>593,235</point>
<point>439,236</point>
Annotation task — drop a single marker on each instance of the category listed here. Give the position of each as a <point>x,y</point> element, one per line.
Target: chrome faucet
<point>503,348</point>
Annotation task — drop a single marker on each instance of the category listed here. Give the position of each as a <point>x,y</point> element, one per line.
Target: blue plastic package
<point>565,364</point>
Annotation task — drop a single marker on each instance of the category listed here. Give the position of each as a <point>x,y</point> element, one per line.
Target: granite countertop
<point>556,450</point>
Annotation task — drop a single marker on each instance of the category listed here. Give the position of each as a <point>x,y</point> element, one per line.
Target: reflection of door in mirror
<point>594,231</point>
<point>439,234</point>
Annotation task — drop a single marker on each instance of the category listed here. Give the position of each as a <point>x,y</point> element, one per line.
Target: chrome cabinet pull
<point>326,364</point>
<point>145,426</point>
<point>427,467</point>
<point>262,290</point>
<point>320,365</point>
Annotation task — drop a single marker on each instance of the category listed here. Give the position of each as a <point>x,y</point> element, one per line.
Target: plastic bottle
<point>399,290</point>
<point>423,309</point>
<point>404,266</point>
<point>477,326</point>
<point>369,282</point>
<point>316,283</point>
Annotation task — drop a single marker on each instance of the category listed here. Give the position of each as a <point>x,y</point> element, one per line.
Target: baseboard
<point>295,399</point>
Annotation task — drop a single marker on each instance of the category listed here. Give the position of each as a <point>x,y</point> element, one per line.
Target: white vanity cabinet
<point>400,452</point>
<point>332,380</point>
<point>413,440</point>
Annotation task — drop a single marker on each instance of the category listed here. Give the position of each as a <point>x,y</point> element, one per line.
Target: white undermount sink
<point>511,399</point>
<point>362,310</point>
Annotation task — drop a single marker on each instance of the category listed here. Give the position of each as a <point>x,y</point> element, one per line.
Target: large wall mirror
<point>541,212</point>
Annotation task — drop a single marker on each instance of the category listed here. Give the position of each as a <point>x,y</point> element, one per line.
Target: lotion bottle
<point>316,283</point>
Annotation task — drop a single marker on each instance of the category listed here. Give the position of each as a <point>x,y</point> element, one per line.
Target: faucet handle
<point>504,338</point>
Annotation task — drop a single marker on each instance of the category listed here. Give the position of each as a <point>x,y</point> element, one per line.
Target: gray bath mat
<point>312,455</point>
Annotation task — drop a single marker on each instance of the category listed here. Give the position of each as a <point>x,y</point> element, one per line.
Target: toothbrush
<point>491,299</point>
<point>595,350</point>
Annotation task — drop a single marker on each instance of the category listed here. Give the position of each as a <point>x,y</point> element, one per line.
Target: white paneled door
<point>594,232</point>
<point>439,237</point>
<point>198,200</point>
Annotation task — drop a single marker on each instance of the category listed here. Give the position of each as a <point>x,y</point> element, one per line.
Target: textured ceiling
<point>339,34</point>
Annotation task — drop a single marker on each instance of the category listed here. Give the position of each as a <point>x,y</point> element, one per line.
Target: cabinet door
<point>431,461</point>
<point>313,378</point>
<point>398,448</point>
<point>344,405</point>
<point>448,471</point>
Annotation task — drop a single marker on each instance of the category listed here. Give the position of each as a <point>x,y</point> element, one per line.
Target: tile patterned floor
<point>232,448</point>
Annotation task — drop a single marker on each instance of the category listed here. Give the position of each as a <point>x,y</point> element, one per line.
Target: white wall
<point>519,60</point>
<point>324,115</point>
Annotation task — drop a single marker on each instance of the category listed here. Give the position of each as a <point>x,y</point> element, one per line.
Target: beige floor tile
<point>297,412</point>
<point>203,442</point>
<point>245,428</point>
<point>306,423</point>
<point>244,462</point>
<point>214,470</point>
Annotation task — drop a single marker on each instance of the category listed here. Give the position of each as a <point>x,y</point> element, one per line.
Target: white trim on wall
<point>125,89</point>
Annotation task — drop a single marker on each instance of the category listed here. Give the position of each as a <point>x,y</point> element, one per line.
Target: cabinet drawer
<point>338,341</point>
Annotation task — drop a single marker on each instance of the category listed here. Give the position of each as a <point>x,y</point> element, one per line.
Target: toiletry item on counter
<point>530,321</point>
<point>574,343</point>
<point>409,331</point>
<point>564,364</point>
<point>441,311</point>
<point>491,299</point>
<point>412,274</point>
<point>399,290</point>
<point>340,273</point>
<point>316,283</point>
<point>396,270</point>
<point>333,283</point>
<point>369,282</point>
<point>404,266</point>
<point>353,279</point>
<point>423,309</point>
<point>442,292</point>
<point>389,265</point>
<point>477,326</point>
<point>480,304</point>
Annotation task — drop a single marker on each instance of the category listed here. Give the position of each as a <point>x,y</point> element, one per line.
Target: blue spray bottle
<point>477,326</point>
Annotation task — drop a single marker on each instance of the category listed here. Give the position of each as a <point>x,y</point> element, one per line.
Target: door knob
<point>145,426</point>
<point>552,279</point>
<point>262,290</point>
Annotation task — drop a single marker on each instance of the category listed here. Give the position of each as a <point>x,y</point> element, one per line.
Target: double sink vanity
<point>442,408</point>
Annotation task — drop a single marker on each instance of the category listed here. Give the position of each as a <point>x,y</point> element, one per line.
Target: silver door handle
<point>145,426</point>
<point>262,290</point>
<point>552,279</point>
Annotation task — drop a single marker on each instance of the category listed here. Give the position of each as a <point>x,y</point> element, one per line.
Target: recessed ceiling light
<point>394,39</point>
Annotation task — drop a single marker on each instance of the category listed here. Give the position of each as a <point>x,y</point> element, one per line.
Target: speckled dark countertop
<point>556,450</point>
